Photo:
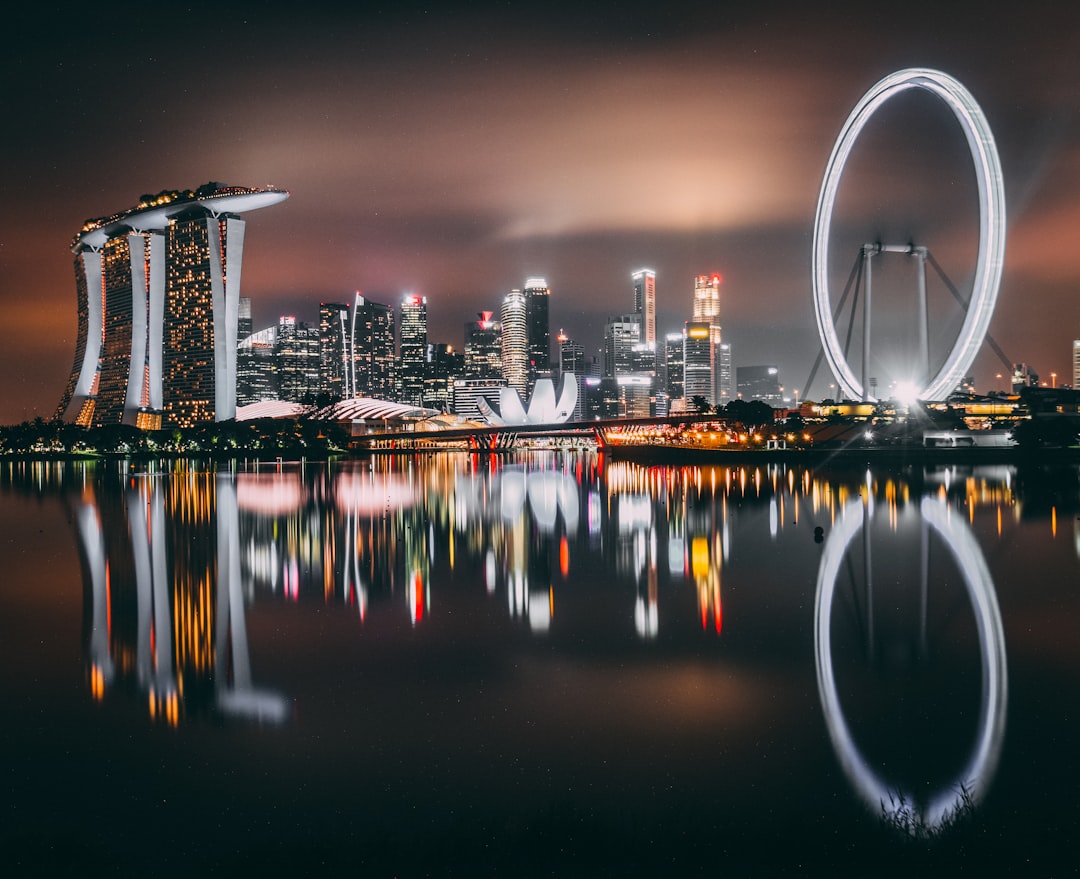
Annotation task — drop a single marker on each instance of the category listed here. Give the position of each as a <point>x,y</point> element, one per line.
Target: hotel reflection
<point>172,558</point>
<point>160,555</point>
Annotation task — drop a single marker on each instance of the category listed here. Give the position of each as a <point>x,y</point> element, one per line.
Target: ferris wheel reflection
<point>971,782</point>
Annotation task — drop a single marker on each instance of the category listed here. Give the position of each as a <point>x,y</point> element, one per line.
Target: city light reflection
<point>174,555</point>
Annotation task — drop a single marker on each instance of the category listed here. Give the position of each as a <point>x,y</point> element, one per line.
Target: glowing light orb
<point>906,393</point>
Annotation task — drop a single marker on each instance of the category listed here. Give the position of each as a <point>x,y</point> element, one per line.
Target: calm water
<point>546,665</point>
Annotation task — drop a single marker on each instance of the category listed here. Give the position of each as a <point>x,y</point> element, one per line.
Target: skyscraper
<point>1076,364</point>
<point>515,342</point>
<point>698,363</point>
<point>334,350</point>
<point>444,364</point>
<point>707,312</point>
<point>372,364</point>
<point>244,325</point>
<point>296,360</point>
<point>673,365</point>
<point>760,383</point>
<point>413,349</point>
<point>707,302</point>
<point>483,348</point>
<point>621,334</point>
<point>256,376</point>
<point>645,303</point>
<point>572,368</point>
<point>158,289</point>
<point>538,328</point>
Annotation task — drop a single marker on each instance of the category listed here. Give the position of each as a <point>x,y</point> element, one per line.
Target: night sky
<point>455,153</point>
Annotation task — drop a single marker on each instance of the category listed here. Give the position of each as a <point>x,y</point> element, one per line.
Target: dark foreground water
<point>547,665</point>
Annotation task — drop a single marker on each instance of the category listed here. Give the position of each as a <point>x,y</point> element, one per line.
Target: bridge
<point>505,438</point>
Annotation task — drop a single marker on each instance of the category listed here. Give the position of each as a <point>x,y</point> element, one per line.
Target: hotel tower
<point>158,289</point>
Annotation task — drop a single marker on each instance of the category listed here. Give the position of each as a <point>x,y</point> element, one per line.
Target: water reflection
<point>906,805</point>
<point>174,556</point>
<point>161,566</point>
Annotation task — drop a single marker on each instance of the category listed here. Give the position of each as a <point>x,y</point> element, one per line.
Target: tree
<point>1056,431</point>
<point>700,404</point>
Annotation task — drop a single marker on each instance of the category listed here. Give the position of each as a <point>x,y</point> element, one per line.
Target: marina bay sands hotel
<point>158,290</point>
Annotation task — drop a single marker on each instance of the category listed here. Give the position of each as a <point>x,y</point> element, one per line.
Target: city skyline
<point>423,158</point>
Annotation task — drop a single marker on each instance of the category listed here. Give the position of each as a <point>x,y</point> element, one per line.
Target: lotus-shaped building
<point>543,408</point>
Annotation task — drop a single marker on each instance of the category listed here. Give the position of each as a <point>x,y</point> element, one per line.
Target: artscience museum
<point>543,407</point>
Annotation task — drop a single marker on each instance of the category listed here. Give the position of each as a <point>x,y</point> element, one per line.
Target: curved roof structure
<point>271,409</point>
<point>357,409</point>
<point>366,408</point>
<point>155,211</point>
<point>543,408</point>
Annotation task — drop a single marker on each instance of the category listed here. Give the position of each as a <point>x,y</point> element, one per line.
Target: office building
<point>444,364</point>
<point>515,342</point>
<point>645,303</point>
<point>698,364</point>
<point>335,348</point>
<point>296,360</point>
<point>538,328</point>
<point>673,366</point>
<point>1023,376</point>
<point>637,388</point>
<point>760,383</point>
<point>706,311</point>
<point>572,368</point>
<point>725,384</point>
<point>413,349</point>
<point>621,334</point>
<point>707,303</point>
<point>483,349</point>
<point>468,391</point>
<point>1076,364</point>
<point>372,363</point>
<point>256,373</point>
<point>158,289</point>
<point>244,325</point>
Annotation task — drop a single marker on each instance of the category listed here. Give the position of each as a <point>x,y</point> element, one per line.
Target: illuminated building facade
<point>538,327</point>
<point>572,363</point>
<point>371,340</point>
<point>707,311</point>
<point>158,289</point>
<point>1076,364</point>
<point>707,303</point>
<point>673,366</point>
<point>244,325</point>
<point>621,334</point>
<point>413,349</point>
<point>483,349</point>
<point>637,391</point>
<point>469,392</point>
<point>444,364</point>
<point>760,383</point>
<point>296,357</point>
<point>334,348</point>
<point>698,363</point>
<point>256,376</point>
<point>645,303</point>
<point>725,374</point>
<point>515,342</point>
